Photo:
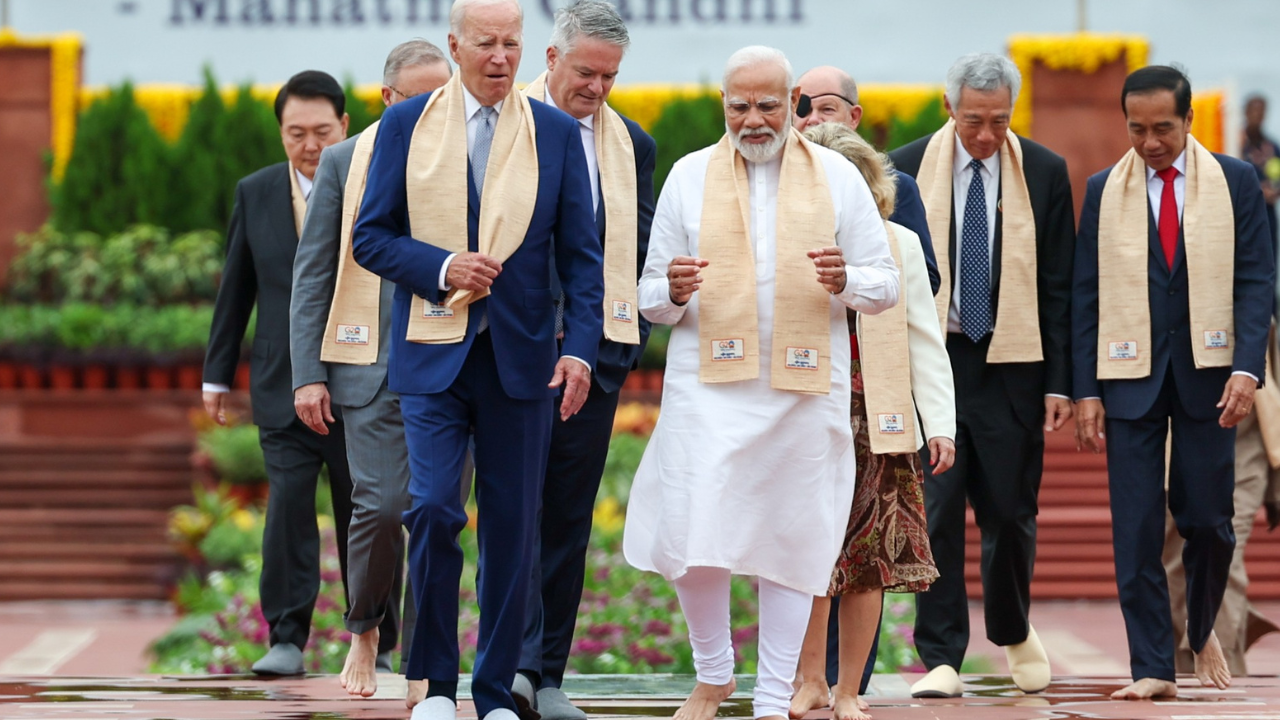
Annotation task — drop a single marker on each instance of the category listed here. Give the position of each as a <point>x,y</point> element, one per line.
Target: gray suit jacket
<point>315,274</point>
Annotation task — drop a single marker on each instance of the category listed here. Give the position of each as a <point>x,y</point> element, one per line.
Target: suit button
<point>1172,332</point>
<point>1173,292</point>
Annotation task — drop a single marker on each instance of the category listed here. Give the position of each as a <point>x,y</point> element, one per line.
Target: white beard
<point>754,153</point>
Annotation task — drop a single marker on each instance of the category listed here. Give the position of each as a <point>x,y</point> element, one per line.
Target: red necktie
<point>1168,215</point>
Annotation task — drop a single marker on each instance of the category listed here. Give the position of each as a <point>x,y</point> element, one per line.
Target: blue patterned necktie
<point>479,162</point>
<point>975,262</point>
<point>480,151</point>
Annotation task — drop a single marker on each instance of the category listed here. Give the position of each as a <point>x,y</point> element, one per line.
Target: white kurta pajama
<point>740,476</point>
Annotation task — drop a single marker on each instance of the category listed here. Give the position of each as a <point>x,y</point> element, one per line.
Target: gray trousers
<point>379,462</point>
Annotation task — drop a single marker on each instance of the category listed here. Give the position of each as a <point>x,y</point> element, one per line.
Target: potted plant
<point>191,330</point>
<point>150,336</point>
<point>236,457</point>
<point>125,359</point>
<point>11,331</point>
<point>32,353</point>
<point>82,334</point>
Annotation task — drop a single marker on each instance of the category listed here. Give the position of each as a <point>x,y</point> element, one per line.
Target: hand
<point>942,454</point>
<point>215,405</point>
<point>829,262</point>
<point>1237,400</point>
<point>1090,418</point>
<point>1273,515</point>
<point>684,277</point>
<point>472,271</point>
<point>311,402</point>
<point>576,379</point>
<point>1057,411</point>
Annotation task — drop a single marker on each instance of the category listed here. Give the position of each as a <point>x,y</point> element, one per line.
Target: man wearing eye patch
<point>833,97</point>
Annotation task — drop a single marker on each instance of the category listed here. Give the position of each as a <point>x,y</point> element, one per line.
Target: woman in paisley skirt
<point>886,545</point>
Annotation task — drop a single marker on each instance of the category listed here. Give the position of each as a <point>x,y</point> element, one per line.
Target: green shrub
<point>686,125</point>
<point>654,356</point>
<point>906,130</point>
<point>360,114</point>
<point>81,327</point>
<point>118,170</point>
<point>251,141</point>
<point>235,453</point>
<point>200,197</point>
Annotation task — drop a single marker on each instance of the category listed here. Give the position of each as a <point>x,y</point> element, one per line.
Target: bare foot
<point>1211,665</point>
<point>417,693</point>
<point>811,695</point>
<point>847,705</point>
<point>862,704</point>
<point>705,701</point>
<point>1145,689</point>
<point>359,674</point>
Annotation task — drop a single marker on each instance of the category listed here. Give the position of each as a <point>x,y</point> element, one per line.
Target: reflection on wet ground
<point>620,696</point>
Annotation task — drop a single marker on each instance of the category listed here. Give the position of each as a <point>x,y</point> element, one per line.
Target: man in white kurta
<point>740,477</point>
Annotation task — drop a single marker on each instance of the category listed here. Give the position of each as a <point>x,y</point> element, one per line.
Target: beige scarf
<point>436,189</point>
<point>616,158</point>
<point>351,334</point>
<point>1124,310</point>
<point>299,201</point>
<point>886,370</point>
<point>728,327</point>
<point>1016,337</point>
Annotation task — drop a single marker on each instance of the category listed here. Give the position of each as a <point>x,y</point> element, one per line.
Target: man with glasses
<point>340,319</point>
<point>759,245</point>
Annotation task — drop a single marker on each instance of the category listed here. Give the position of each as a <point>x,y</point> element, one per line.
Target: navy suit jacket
<point>615,360</point>
<point>521,307</point>
<point>909,212</point>
<point>1170,342</point>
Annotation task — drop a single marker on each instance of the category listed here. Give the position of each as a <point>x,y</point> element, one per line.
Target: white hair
<point>458,12</point>
<point>589,18</point>
<point>754,55</point>
<point>984,72</point>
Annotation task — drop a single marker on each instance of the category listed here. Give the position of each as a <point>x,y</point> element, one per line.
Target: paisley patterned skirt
<point>886,547</point>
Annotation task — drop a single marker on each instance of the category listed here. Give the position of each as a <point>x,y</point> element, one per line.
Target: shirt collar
<point>587,122</point>
<point>1180,164</point>
<point>963,158</point>
<point>472,106</point>
<point>304,184</point>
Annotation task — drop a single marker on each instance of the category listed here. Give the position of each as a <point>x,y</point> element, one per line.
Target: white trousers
<point>784,617</point>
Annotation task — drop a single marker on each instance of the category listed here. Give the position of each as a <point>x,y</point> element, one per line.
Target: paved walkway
<point>87,661</point>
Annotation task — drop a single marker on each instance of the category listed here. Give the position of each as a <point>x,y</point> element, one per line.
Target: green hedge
<point>87,331</point>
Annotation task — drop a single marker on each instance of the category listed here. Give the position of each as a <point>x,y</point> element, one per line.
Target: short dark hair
<point>311,84</point>
<point>1155,78</point>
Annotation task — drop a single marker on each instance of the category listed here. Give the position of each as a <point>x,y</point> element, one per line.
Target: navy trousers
<point>511,438</point>
<point>579,448</point>
<point>1201,484</point>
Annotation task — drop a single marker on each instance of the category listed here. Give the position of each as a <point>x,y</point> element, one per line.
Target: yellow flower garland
<point>1081,52</point>
<point>64,74</point>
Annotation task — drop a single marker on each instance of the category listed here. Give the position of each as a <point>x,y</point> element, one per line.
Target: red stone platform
<point>234,698</point>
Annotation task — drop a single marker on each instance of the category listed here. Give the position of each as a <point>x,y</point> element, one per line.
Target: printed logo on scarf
<point>352,335</point>
<point>728,349</point>
<point>622,311</point>
<point>1216,340</point>
<point>892,424</point>
<point>1127,350</point>
<point>799,358</point>
<point>432,311</point>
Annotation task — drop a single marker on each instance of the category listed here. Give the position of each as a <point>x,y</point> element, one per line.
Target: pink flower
<point>604,630</point>
<point>652,656</point>
<point>657,628</point>
<point>587,646</point>
<point>745,634</point>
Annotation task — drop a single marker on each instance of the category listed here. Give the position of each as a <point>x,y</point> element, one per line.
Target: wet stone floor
<point>319,697</point>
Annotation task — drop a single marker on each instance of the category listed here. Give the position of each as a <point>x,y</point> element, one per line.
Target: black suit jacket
<point>615,360</point>
<point>261,243</point>
<point>1050,189</point>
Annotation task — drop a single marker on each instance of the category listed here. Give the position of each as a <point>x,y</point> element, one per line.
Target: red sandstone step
<point>82,517</point>
<point>106,476</point>
<point>82,590</point>
<point>102,570</point>
<point>136,552</point>
<point>108,499</point>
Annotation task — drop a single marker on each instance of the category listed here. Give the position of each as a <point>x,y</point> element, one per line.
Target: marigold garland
<point>1080,52</point>
<point>64,75</point>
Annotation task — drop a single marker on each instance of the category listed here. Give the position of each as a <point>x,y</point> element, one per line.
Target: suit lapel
<point>473,208</point>
<point>1157,249</point>
<point>282,227</point>
<point>997,247</point>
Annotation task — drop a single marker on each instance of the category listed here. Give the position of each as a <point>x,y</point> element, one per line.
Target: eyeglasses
<point>739,108</point>
<point>402,94</point>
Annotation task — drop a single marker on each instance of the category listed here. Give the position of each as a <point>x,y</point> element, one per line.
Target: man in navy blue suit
<point>584,54</point>
<point>499,381</point>
<point>1129,413</point>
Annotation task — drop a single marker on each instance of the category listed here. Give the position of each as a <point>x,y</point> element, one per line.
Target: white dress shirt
<point>587,127</point>
<point>961,178</point>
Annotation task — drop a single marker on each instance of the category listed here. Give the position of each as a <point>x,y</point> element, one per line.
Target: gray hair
<point>589,18</point>
<point>754,55</point>
<point>410,54</point>
<point>984,72</point>
<point>848,87</point>
<point>458,12</point>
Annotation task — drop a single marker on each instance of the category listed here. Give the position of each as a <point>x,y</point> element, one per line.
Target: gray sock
<point>281,659</point>
<point>553,704</point>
